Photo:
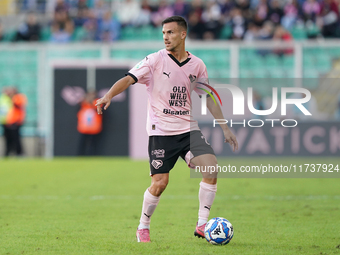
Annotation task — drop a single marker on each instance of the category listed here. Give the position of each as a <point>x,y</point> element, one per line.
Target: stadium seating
<point>144,33</point>
<point>299,33</point>
<point>317,61</point>
<point>9,35</point>
<point>72,53</point>
<point>20,67</point>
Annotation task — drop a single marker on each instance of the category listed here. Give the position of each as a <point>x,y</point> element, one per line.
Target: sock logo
<point>207,207</point>
<point>147,215</point>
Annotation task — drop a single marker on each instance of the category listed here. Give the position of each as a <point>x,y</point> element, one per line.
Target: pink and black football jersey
<point>169,85</point>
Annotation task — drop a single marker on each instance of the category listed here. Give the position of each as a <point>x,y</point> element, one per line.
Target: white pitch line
<point>170,197</point>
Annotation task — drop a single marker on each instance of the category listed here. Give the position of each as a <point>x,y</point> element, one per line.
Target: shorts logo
<point>157,163</point>
<point>158,153</point>
<point>205,140</point>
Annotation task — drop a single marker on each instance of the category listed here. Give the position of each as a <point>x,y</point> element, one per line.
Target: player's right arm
<point>116,89</point>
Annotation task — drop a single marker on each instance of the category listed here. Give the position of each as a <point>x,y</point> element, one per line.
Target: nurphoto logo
<point>239,102</point>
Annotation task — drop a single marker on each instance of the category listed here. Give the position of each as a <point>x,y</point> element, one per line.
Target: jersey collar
<point>180,64</point>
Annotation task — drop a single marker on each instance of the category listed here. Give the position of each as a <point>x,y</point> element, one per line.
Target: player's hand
<point>106,101</point>
<point>231,139</point>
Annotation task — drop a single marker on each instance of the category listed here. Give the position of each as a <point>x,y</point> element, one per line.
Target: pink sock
<point>206,197</point>
<point>149,205</point>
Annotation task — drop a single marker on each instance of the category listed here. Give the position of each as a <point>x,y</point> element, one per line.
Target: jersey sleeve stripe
<point>134,77</point>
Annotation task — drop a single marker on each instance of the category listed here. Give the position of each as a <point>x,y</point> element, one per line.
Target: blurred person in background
<point>29,5</point>
<point>14,120</point>
<point>163,11</point>
<point>267,31</point>
<point>281,34</point>
<point>91,28</point>
<point>238,23</point>
<point>196,27</point>
<point>212,18</point>
<point>108,28</point>
<point>197,6</point>
<point>252,32</point>
<point>261,13</point>
<point>89,125</point>
<point>81,18</point>
<point>62,27</point>
<point>82,4</point>
<point>243,5</point>
<point>61,5</point>
<point>100,7</point>
<point>181,8</point>
<point>5,105</point>
<point>292,12</point>
<point>144,16</point>
<point>74,5</point>
<point>310,11</point>
<point>329,19</point>
<point>226,7</point>
<point>30,30</point>
<point>275,12</point>
<point>253,4</point>
<point>311,8</point>
<point>127,12</point>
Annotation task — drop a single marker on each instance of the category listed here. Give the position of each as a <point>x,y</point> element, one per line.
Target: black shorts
<point>165,150</point>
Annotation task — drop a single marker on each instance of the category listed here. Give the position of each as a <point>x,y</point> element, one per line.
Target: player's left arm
<point>216,111</point>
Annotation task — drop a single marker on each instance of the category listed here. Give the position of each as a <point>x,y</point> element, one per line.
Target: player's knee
<point>160,186</point>
<point>211,181</point>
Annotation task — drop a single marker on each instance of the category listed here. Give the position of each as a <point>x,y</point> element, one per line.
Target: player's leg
<point>17,141</point>
<point>163,154</point>
<point>207,191</point>
<point>82,145</point>
<point>201,154</point>
<point>151,198</point>
<point>7,141</point>
<point>150,202</point>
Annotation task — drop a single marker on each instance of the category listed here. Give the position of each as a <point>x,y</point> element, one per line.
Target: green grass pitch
<point>93,205</point>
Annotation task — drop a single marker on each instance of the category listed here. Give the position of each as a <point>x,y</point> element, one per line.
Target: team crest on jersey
<point>157,163</point>
<point>158,153</point>
<point>192,78</point>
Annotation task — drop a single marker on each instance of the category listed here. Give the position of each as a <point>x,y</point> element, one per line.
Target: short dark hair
<point>180,21</point>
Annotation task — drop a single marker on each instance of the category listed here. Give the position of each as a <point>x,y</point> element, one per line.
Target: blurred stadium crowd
<point>105,20</point>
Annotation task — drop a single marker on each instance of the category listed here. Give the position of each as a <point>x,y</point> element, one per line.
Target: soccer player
<point>169,75</point>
